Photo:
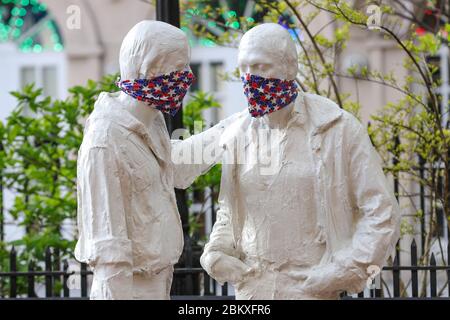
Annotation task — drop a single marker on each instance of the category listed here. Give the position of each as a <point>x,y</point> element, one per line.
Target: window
<point>45,77</point>
<point>50,81</point>
<point>27,76</point>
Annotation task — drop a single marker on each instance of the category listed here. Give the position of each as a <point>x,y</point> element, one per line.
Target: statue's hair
<point>277,41</point>
<point>145,47</point>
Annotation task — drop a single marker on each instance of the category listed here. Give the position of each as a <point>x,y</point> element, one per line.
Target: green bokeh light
<point>207,42</point>
<point>231,14</point>
<point>235,25</point>
<point>37,48</point>
<point>19,22</point>
<point>58,47</point>
<point>15,11</point>
<point>21,14</point>
<point>28,41</point>
<point>16,33</point>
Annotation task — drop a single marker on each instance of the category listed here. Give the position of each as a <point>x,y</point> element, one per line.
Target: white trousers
<point>144,287</point>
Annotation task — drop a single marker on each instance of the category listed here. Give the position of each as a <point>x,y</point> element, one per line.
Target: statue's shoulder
<point>326,109</point>
<point>315,100</point>
<point>101,128</point>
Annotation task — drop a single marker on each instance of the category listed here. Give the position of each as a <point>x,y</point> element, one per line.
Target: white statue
<point>129,227</point>
<point>309,227</point>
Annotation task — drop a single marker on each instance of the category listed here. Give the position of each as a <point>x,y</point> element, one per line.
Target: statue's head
<point>268,50</point>
<point>153,48</point>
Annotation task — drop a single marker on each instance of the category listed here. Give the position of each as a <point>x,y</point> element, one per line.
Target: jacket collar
<point>320,112</point>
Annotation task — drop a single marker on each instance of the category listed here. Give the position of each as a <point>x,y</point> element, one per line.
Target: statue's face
<point>257,59</point>
<point>267,50</point>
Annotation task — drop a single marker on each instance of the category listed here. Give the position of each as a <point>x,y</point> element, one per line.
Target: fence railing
<point>412,281</point>
<point>54,279</point>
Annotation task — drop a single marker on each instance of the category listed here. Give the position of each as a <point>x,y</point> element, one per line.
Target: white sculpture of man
<point>129,227</point>
<point>311,227</point>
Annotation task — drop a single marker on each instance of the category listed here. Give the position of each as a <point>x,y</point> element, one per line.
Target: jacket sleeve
<point>221,239</point>
<point>377,227</point>
<point>199,153</point>
<point>220,252</point>
<point>102,224</point>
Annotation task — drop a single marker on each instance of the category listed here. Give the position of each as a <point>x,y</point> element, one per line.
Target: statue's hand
<point>231,269</point>
<point>324,282</point>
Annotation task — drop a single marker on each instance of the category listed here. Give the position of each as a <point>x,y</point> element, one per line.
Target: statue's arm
<point>103,224</point>
<point>376,227</point>
<point>208,152</point>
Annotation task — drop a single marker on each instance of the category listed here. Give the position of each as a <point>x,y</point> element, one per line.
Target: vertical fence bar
<point>13,269</point>
<point>414,275</point>
<point>83,277</point>
<point>48,276</point>
<point>433,284</point>
<point>422,202</point>
<point>206,284</point>
<point>56,267</point>
<point>396,276</point>
<point>189,277</point>
<point>31,292</point>
<point>372,291</point>
<point>66,292</point>
<point>378,286</point>
<point>225,289</point>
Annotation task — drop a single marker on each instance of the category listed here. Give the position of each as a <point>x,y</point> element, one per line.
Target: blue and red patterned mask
<point>266,95</point>
<point>164,92</point>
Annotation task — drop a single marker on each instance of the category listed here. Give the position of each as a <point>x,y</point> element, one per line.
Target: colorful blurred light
<point>22,14</point>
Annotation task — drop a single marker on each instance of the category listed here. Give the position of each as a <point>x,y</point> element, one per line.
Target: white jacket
<point>358,213</point>
<point>127,210</point>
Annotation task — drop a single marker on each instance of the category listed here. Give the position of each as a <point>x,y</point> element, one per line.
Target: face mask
<point>266,95</point>
<point>165,92</point>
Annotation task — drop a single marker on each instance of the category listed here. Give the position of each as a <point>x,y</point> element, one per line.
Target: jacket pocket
<point>142,178</point>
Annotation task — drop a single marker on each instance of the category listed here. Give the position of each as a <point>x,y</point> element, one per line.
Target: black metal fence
<point>403,281</point>
<point>53,279</point>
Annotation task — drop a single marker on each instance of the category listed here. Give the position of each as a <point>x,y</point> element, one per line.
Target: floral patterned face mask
<point>164,92</point>
<point>266,95</point>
